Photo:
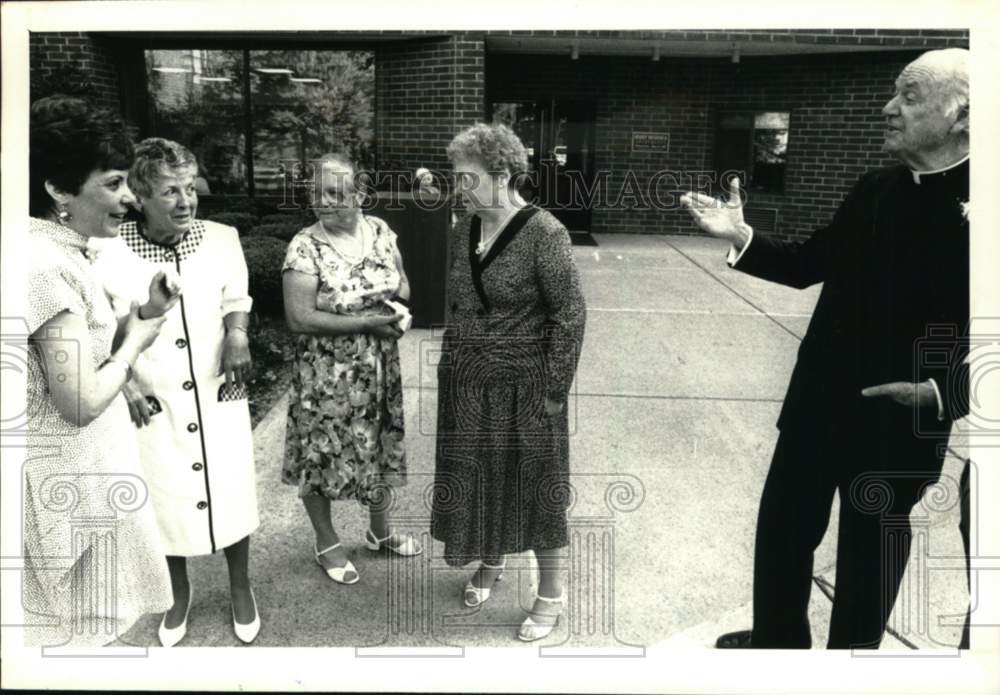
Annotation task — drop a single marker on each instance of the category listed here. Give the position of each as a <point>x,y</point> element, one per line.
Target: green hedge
<point>265,256</point>
<point>303,219</point>
<point>241,204</point>
<point>243,221</point>
<point>278,230</point>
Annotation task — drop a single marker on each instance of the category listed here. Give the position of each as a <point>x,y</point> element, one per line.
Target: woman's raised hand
<point>142,332</point>
<point>164,292</point>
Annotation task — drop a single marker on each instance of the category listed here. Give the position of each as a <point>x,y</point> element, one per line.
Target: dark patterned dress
<point>514,335</point>
<point>344,437</point>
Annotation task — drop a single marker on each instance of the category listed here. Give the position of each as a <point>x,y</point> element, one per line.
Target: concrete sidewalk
<point>684,366</point>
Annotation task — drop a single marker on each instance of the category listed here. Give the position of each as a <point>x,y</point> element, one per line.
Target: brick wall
<point>74,61</point>
<point>929,38</point>
<point>836,128</point>
<point>429,86</point>
<point>631,94</point>
<point>835,132</point>
<point>426,91</point>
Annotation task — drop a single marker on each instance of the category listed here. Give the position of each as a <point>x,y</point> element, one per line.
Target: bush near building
<point>278,230</point>
<point>243,221</point>
<point>271,343</point>
<point>303,219</point>
<point>264,256</point>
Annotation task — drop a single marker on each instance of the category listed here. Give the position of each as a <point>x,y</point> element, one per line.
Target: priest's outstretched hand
<point>720,219</point>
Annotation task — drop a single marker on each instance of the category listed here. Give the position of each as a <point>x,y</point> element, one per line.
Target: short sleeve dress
<point>344,437</point>
<point>197,449</point>
<point>93,556</point>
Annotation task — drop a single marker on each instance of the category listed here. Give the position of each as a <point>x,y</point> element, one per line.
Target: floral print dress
<point>344,437</point>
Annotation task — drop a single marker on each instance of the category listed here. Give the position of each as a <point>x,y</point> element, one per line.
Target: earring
<point>64,216</point>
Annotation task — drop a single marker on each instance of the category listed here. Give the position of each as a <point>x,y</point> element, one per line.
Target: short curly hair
<point>495,146</point>
<point>69,139</point>
<point>153,158</point>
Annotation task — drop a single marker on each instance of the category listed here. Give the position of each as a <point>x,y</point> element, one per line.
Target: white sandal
<point>482,594</point>
<point>337,574</point>
<point>531,631</point>
<point>407,548</point>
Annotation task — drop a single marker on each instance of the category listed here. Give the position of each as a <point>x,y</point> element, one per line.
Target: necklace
<point>360,238</point>
<point>487,242</point>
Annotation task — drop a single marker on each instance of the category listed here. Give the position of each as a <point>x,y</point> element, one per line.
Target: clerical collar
<point>918,174</point>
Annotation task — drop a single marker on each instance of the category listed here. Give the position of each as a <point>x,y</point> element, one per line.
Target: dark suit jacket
<point>894,264</point>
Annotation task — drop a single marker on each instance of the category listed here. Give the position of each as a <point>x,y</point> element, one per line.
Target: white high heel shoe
<point>407,548</point>
<point>337,574</point>
<point>482,594</point>
<point>531,631</point>
<point>247,632</point>
<point>169,636</point>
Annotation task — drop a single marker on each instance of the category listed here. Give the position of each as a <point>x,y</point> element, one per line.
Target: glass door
<point>559,137</point>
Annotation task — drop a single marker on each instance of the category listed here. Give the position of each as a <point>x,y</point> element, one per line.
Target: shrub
<point>278,230</point>
<point>241,204</point>
<point>265,256</point>
<point>243,221</point>
<point>302,219</point>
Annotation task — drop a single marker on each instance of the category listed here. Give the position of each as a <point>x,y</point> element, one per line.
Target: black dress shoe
<point>734,640</point>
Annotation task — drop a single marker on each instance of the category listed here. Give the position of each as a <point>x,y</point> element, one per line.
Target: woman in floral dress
<point>344,438</point>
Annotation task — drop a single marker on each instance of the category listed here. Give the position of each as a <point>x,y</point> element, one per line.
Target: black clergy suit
<point>894,264</point>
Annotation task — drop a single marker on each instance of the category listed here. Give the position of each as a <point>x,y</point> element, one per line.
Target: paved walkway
<point>684,366</point>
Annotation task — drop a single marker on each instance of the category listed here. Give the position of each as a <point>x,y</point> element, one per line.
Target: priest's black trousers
<point>873,546</point>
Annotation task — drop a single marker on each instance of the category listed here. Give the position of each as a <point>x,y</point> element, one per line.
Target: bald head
<point>947,72</point>
<point>927,120</point>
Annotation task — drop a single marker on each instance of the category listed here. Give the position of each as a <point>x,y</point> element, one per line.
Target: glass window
<point>302,104</point>
<point>754,143</point>
<point>196,99</point>
<point>308,103</point>
<point>770,149</point>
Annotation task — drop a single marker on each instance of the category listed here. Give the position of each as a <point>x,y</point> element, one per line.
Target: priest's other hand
<point>720,219</point>
<point>906,393</point>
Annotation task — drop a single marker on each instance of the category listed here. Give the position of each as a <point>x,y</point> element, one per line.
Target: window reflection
<point>196,99</point>
<point>754,143</point>
<point>304,104</point>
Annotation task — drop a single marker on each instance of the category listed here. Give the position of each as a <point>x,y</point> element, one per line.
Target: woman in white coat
<point>189,394</point>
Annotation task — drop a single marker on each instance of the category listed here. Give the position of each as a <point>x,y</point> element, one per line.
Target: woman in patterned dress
<point>93,556</point>
<point>189,394</point>
<point>510,353</point>
<point>344,437</point>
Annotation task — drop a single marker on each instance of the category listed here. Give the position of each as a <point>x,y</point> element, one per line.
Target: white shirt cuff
<point>229,305</point>
<point>734,257</point>
<point>940,403</point>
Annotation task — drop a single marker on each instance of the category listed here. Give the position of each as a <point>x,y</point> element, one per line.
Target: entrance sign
<point>650,142</point>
